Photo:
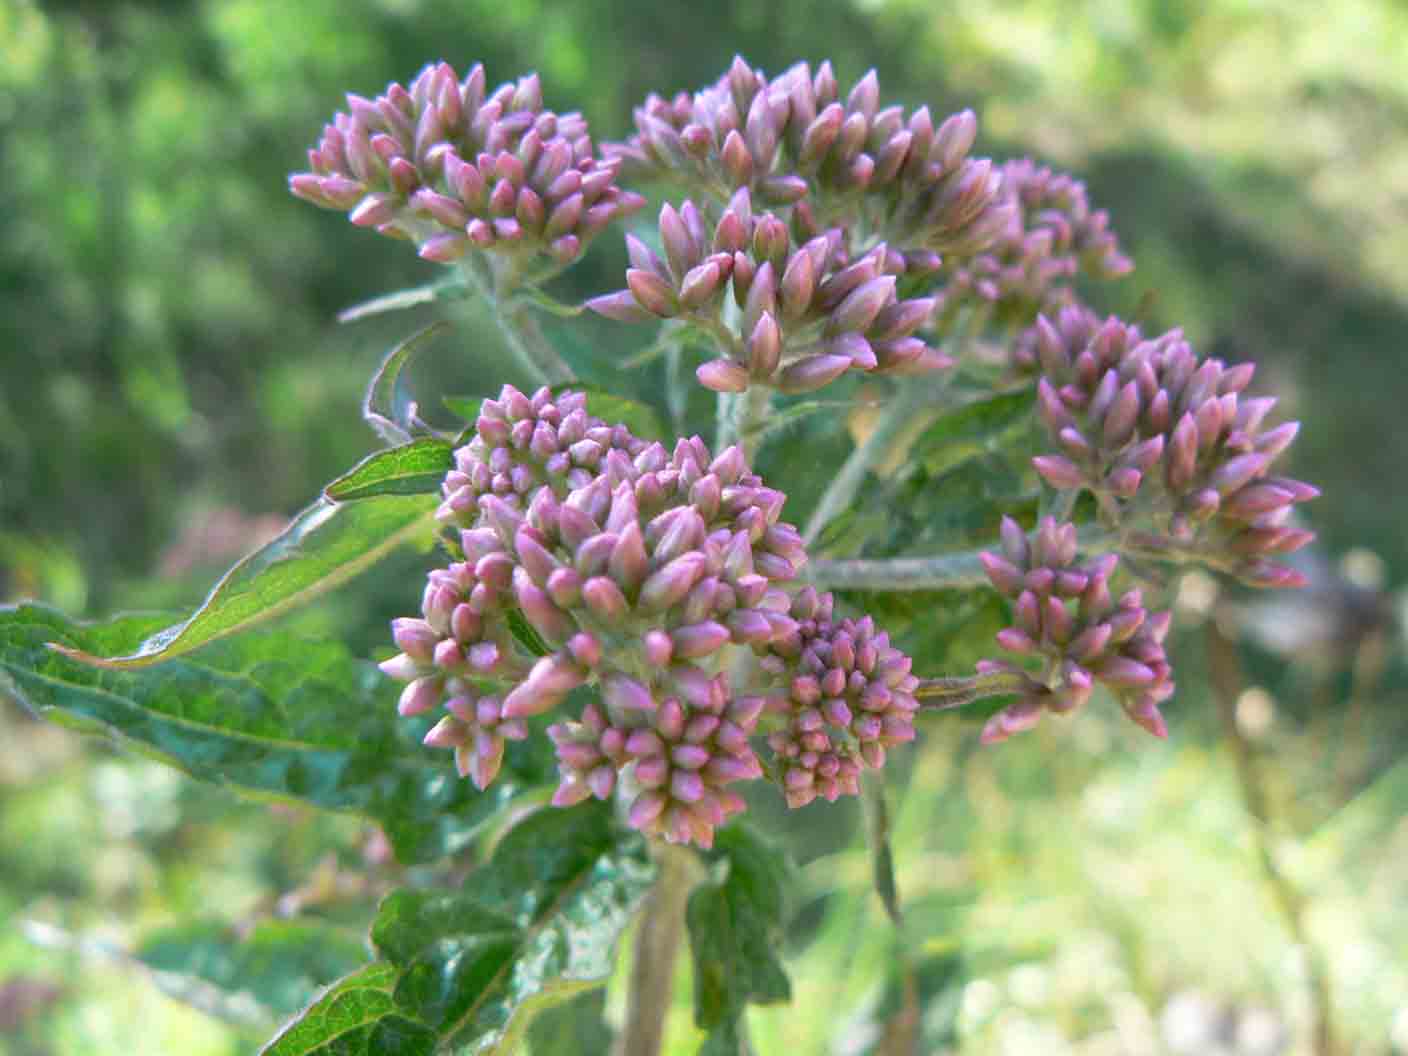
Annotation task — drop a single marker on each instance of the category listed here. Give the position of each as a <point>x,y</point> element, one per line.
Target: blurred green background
<point>173,385</point>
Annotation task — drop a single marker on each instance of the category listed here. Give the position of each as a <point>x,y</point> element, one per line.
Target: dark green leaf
<point>269,713</point>
<point>525,634</point>
<point>390,418</point>
<point>416,468</point>
<point>572,1028</point>
<point>324,546</point>
<point>735,931</point>
<point>987,424</point>
<point>280,964</point>
<point>355,1017</point>
<point>534,927</point>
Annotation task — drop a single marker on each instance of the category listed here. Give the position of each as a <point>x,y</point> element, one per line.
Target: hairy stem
<point>941,694</point>
<point>657,945</point>
<point>902,1027</point>
<point>1227,681</point>
<point>739,417</point>
<point>940,572</point>
<point>525,339</point>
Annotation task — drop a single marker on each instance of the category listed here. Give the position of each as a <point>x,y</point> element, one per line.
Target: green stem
<point>898,414</point>
<point>941,694</point>
<point>657,945</point>
<point>512,315</point>
<point>1225,670</point>
<point>739,418</point>
<point>941,572</point>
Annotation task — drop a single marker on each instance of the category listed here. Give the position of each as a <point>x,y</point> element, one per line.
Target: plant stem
<point>898,414</point>
<point>941,694</point>
<point>1225,670</point>
<point>520,330</point>
<point>657,945</point>
<point>901,1028</point>
<point>739,416</point>
<point>940,572</point>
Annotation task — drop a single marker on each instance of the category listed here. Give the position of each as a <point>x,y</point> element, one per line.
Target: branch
<point>657,944</point>
<point>940,572</point>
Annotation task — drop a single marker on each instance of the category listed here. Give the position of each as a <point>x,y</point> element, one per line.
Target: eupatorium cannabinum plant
<point>634,607</point>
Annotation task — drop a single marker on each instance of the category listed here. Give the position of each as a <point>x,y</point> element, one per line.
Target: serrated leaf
<point>269,713</point>
<point>280,964</point>
<point>388,417</point>
<point>974,428</point>
<point>416,468</point>
<point>735,932</point>
<point>323,547</point>
<point>534,927</point>
<point>355,1017</point>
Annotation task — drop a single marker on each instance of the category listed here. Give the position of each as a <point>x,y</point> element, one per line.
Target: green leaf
<point>988,424</point>
<point>279,964</point>
<point>269,713</point>
<point>534,927</point>
<point>612,409</point>
<point>447,289</point>
<point>324,546</point>
<point>416,468</point>
<point>574,1027</point>
<point>358,1016</point>
<point>381,410</point>
<point>736,930</point>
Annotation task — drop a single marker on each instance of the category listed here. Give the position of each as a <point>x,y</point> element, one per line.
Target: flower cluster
<point>452,168</point>
<point>1165,439</point>
<point>635,567</point>
<point>793,141</point>
<point>1050,236</point>
<point>1065,615</point>
<point>848,696</point>
<point>808,313</point>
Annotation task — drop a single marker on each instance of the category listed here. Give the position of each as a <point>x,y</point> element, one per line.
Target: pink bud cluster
<point>848,696</point>
<point>794,142</point>
<point>1050,236</point>
<point>453,168</point>
<point>636,567</point>
<point>1065,615</point>
<point>808,312</point>
<point>1167,442</point>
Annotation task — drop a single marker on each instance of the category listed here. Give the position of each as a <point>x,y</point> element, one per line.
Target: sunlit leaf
<point>358,1016</point>
<point>324,546</point>
<point>269,713</point>
<point>416,468</point>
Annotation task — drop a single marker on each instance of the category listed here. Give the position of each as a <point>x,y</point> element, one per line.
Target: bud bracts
<point>1169,443</point>
<point>1049,236</point>
<point>807,313</point>
<point>795,142</point>
<point>1065,616</point>
<point>848,695</point>
<point>454,168</point>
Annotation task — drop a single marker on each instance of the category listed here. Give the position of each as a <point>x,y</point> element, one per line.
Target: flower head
<point>1065,615</point>
<point>1167,441</point>
<point>453,168</point>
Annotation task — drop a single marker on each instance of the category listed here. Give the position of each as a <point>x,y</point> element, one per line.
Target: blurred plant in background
<point>1070,896</point>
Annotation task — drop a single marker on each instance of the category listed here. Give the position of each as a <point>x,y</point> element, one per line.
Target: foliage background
<point>173,386</point>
